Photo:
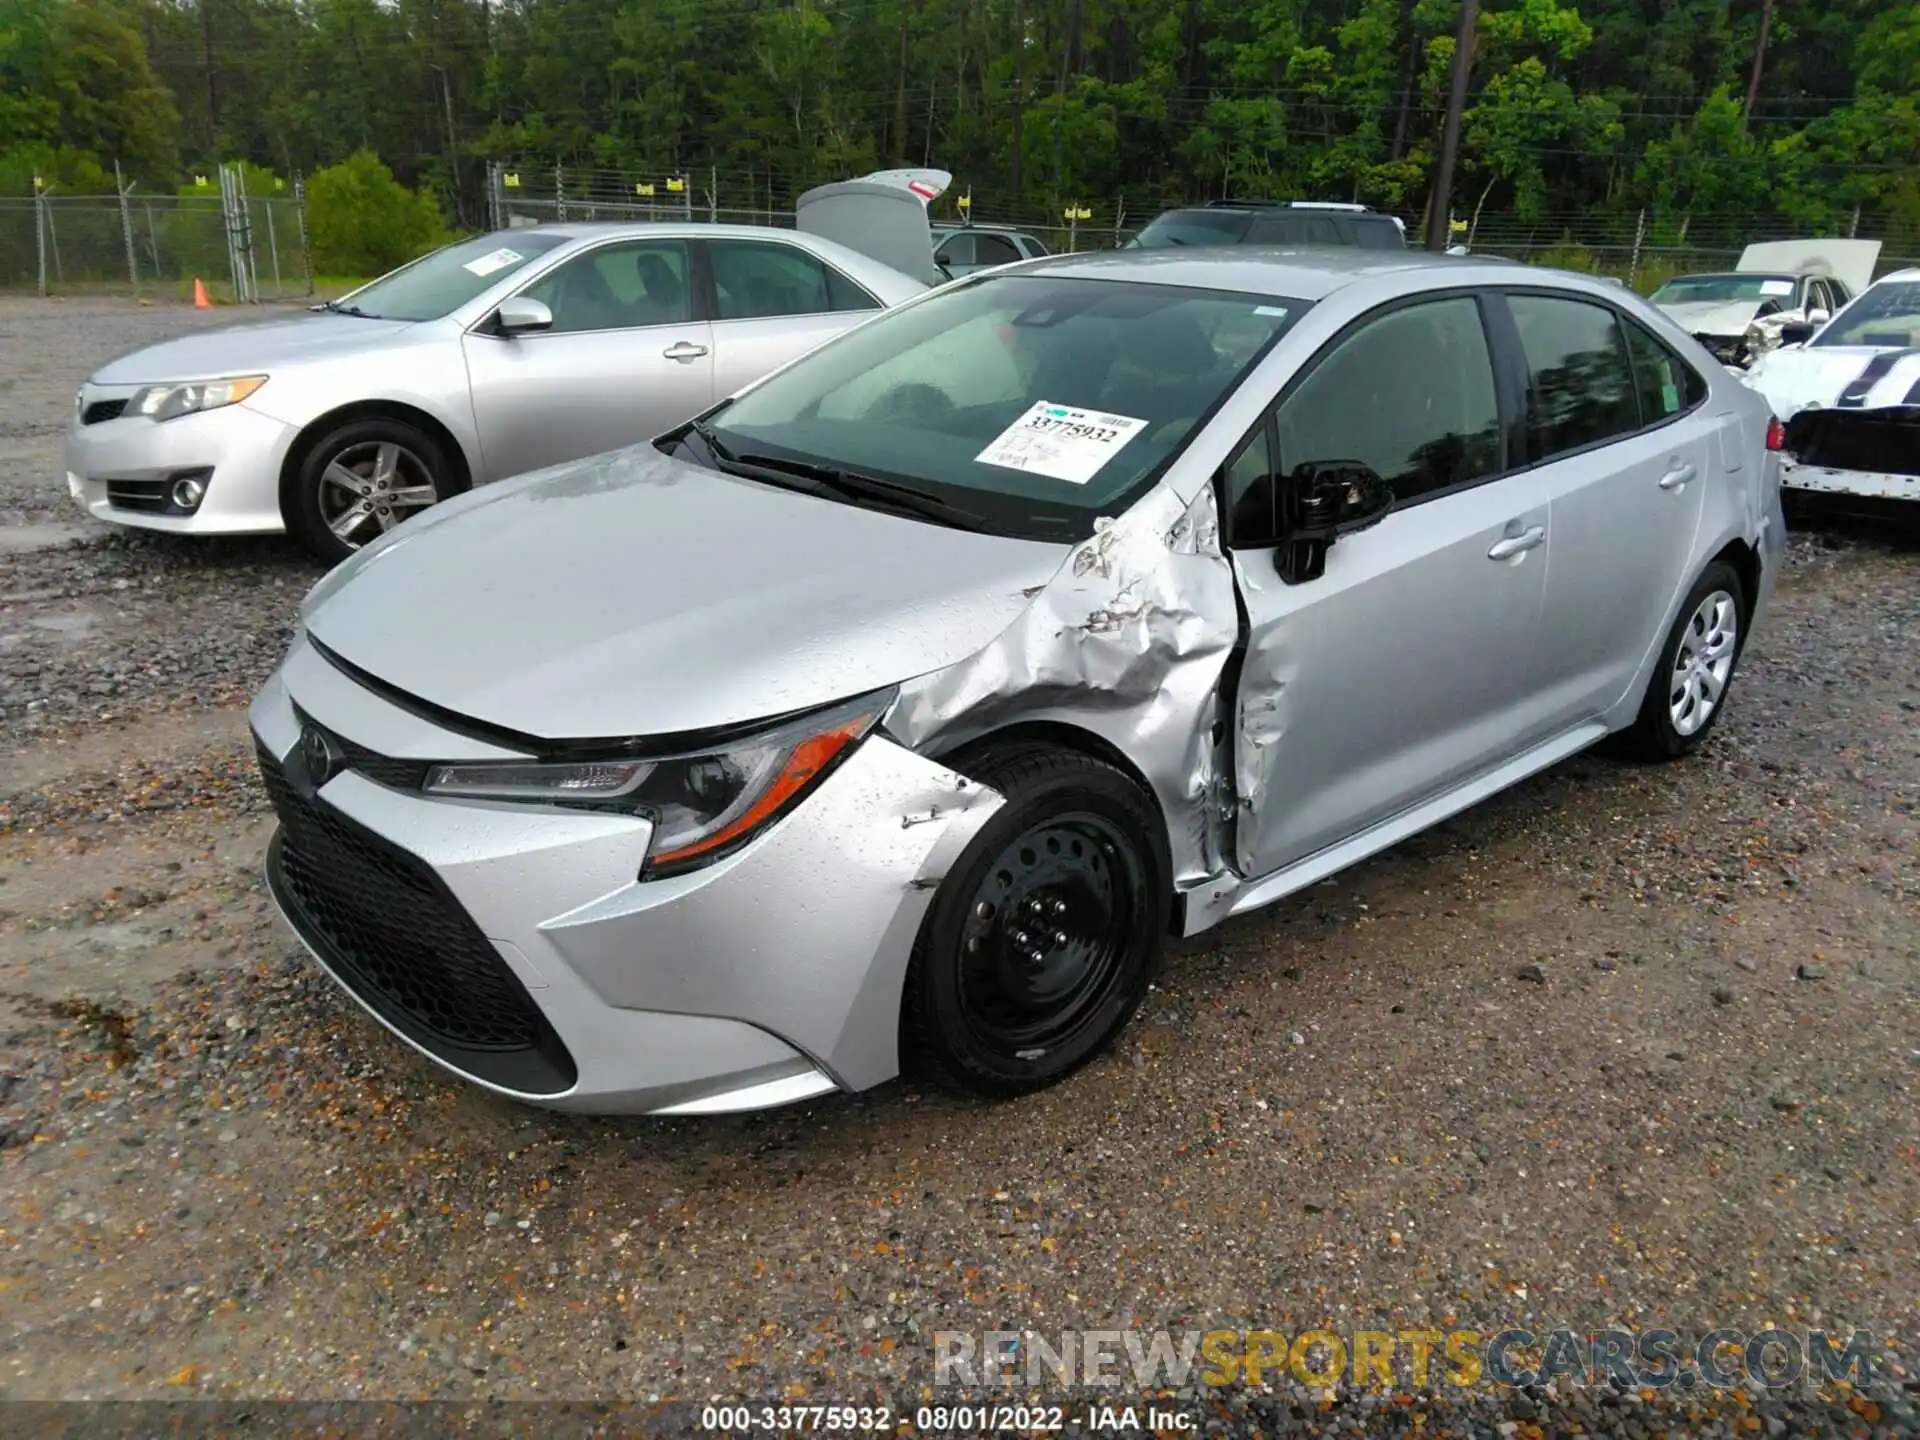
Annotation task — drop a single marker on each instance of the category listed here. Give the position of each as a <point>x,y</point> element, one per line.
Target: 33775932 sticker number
<point>1061,442</point>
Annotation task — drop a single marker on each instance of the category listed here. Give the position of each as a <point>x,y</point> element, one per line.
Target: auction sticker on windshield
<point>496,260</point>
<point>1061,442</point>
<point>1776,287</point>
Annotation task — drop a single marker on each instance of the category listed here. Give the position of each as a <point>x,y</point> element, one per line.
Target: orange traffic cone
<point>200,301</point>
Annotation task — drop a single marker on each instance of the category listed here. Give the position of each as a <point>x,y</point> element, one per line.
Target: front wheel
<point>359,480</point>
<point>1695,670</point>
<point>1041,940</point>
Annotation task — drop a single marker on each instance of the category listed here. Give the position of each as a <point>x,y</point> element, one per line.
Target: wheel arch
<point>1061,735</point>
<point>1745,562</point>
<point>397,410</point>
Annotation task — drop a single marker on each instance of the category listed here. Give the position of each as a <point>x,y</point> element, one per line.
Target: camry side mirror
<point>521,315</point>
<point>1321,502</point>
<point>1818,317</point>
<point>1797,332</point>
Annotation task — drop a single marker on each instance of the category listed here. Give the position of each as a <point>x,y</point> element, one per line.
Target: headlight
<point>167,402</point>
<point>703,805</point>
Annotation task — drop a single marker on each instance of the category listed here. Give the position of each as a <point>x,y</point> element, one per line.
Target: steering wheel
<point>912,401</point>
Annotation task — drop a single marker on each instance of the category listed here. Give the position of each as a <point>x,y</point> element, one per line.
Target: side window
<point>618,287</point>
<point>958,250</point>
<point>1321,230</point>
<point>759,280</point>
<point>1667,385</point>
<point>1251,500</point>
<point>1579,383</point>
<point>1381,234</point>
<point>843,294</point>
<point>1410,395</point>
<point>1819,298</point>
<point>1274,231</point>
<point>994,250</point>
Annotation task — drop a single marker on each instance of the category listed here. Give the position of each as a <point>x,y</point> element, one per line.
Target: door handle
<point>1518,544</point>
<point>684,351</point>
<point>1677,477</point>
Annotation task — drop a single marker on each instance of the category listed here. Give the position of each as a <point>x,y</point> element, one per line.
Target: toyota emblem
<point>322,761</point>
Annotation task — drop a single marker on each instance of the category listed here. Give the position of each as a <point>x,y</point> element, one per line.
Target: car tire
<point>1695,670</point>
<point>403,468</point>
<point>996,1005</point>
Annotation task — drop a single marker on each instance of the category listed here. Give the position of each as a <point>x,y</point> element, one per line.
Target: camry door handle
<point>1677,477</point>
<point>684,351</point>
<point>1518,544</point>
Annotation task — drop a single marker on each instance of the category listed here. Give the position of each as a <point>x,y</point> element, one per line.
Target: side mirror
<point>1797,332</point>
<point>1320,502</point>
<point>1818,317</point>
<point>522,314</point>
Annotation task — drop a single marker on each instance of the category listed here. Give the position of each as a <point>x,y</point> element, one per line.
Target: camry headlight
<point>702,805</point>
<point>167,402</point>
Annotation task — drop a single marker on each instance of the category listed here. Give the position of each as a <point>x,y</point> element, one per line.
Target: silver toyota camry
<point>493,356</point>
<point>891,714</point>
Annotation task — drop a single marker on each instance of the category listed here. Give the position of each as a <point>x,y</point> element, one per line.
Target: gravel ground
<point>1623,1046</point>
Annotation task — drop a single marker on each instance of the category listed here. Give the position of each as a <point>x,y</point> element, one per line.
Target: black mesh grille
<point>396,937</point>
<point>147,496</point>
<point>102,410</point>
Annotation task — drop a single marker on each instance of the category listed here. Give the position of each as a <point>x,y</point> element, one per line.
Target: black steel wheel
<point>1041,940</point>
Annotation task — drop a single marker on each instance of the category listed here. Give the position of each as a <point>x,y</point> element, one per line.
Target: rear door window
<point>1580,387</point>
<point>1666,384</point>
<point>762,280</point>
<point>994,250</point>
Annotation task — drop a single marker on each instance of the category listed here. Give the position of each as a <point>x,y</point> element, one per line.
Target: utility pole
<point>213,94</point>
<point>1019,83</point>
<point>1759,62</point>
<point>1439,208</point>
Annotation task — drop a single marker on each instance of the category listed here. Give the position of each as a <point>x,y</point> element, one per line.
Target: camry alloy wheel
<point>1703,662</point>
<point>370,487</point>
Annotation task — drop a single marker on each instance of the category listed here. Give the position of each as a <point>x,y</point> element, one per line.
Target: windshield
<point>1032,402</point>
<point>440,283</point>
<point>1886,314</point>
<point>1724,289</point>
<point>1191,227</point>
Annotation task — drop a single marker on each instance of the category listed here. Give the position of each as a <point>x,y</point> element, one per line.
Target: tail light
<point>1776,434</point>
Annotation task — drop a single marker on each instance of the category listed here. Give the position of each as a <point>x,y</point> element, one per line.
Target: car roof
<point>1747,275</point>
<point>595,229</point>
<point>1299,274</point>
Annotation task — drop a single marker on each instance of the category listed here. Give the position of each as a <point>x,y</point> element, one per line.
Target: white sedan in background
<point>500,354</point>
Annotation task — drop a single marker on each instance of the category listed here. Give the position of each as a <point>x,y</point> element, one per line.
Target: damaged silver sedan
<point>894,713</point>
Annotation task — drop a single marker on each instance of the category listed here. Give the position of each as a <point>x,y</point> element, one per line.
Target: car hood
<point>1865,377</point>
<point>636,595</point>
<point>1713,317</point>
<point>246,348</point>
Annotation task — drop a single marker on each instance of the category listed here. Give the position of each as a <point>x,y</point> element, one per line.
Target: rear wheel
<point>1040,942</point>
<point>359,480</point>
<point>1695,670</point>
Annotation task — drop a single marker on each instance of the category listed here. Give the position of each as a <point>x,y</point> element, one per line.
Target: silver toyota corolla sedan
<point>891,714</point>
<point>493,356</point>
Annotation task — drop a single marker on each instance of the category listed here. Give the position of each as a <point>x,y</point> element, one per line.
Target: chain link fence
<point>241,247</point>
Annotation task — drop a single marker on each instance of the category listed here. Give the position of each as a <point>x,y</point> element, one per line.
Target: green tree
<point>364,222</point>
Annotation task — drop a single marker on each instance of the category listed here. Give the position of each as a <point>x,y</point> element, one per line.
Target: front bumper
<point>119,469</point>
<point>514,945</point>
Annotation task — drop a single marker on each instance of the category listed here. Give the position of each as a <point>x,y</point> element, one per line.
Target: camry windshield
<point>440,283</point>
<point>1722,289</point>
<point>1887,314</point>
<point>1191,227</point>
<point>1022,404</point>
